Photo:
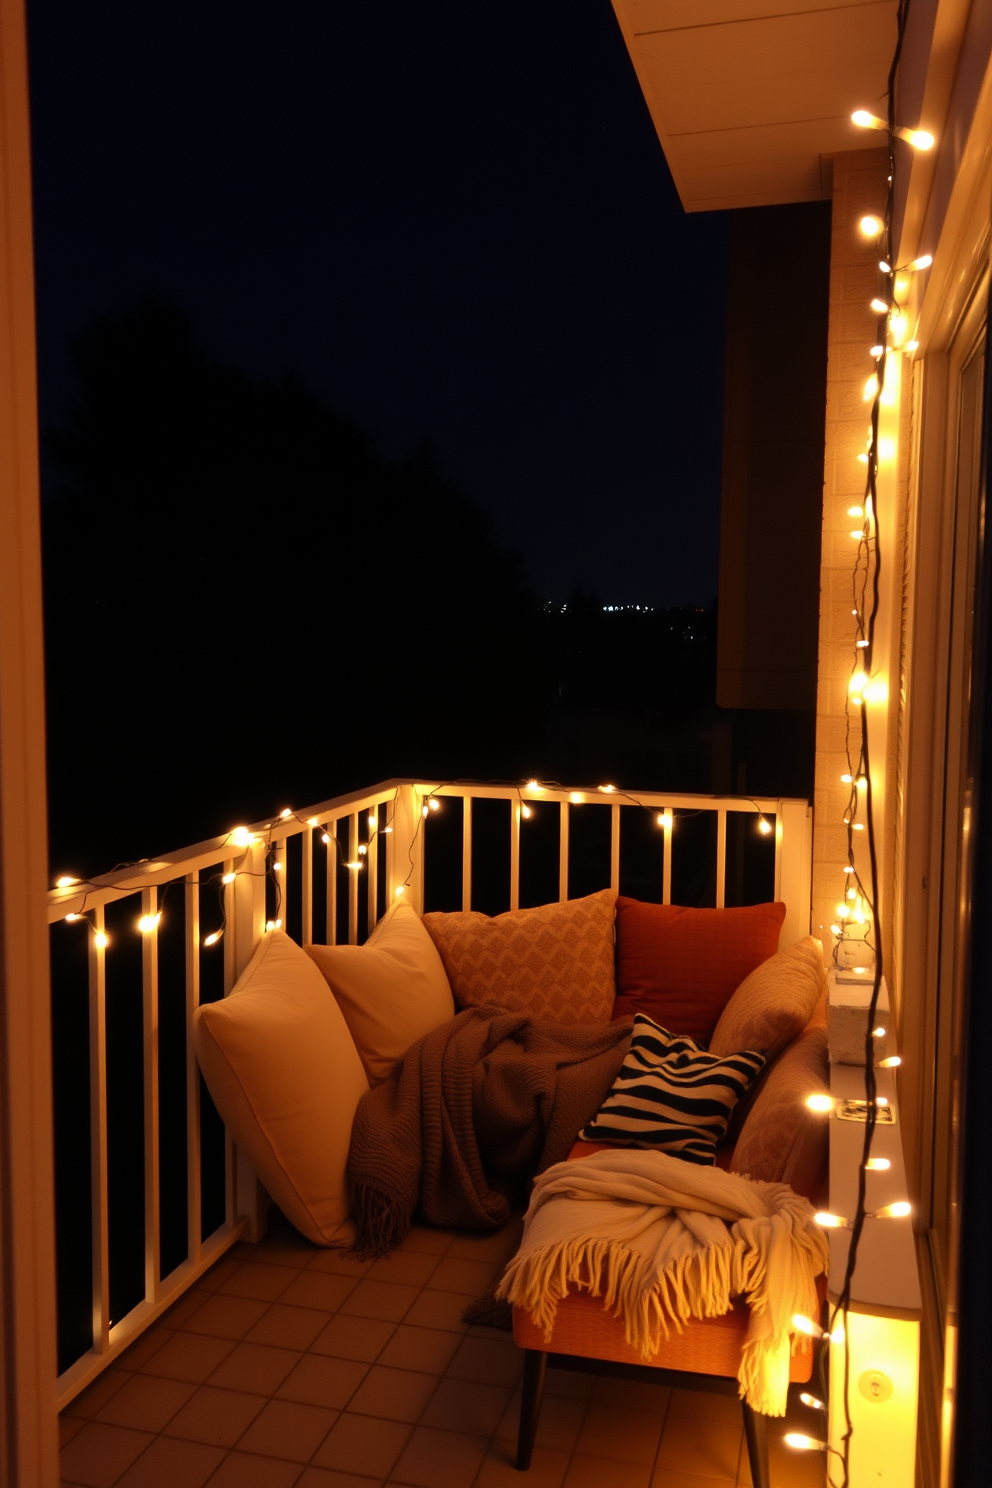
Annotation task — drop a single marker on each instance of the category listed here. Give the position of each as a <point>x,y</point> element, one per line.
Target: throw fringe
<point>381,1221</point>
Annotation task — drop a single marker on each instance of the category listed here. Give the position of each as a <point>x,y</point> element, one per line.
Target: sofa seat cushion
<point>286,1078</point>
<point>553,963</point>
<point>682,966</point>
<point>392,990</point>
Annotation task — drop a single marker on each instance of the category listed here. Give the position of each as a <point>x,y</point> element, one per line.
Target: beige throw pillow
<point>554,963</point>
<point>773,1005</point>
<point>782,1140</point>
<point>392,990</point>
<point>286,1078</point>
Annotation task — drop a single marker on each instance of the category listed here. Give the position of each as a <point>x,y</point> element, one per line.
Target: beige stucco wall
<point>859,188</point>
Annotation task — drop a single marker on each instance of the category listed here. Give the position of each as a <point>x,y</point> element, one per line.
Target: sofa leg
<point>531,1399</point>
<point>756,1436</point>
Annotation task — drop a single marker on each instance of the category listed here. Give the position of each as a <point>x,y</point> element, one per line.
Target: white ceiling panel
<point>755,94</point>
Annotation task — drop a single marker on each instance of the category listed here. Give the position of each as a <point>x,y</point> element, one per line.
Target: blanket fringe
<point>381,1222</point>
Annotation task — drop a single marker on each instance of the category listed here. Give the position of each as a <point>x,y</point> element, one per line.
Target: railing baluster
<point>149,983</point>
<point>331,832</point>
<point>192,938</point>
<point>615,848</point>
<point>514,854</point>
<point>353,879</point>
<point>721,858</point>
<point>466,852</point>
<point>279,872</point>
<point>563,851</point>
<point>306,848</point>
<point>99,1193</point>
<point>666,862</point>
<point>372,866</point>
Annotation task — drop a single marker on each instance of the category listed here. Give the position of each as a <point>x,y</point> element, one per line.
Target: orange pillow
<point>553,963</point>
<point>682,966</point>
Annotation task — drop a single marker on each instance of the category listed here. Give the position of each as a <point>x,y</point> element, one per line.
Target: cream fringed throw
<point>663,1241</point>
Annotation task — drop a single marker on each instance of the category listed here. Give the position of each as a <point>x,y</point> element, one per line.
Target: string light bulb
<point>878,1165</point>
<point>893,1062</point>
<point>880,306</point>
<point>400,890</point>
<point>228,878</point>
<point>878,1032</point>
<point>811,1401</point>
<point>891,1211</point>
<point>362,849</point>
<point>855,511</point>
<point>923,262</point>
<point>870,389</point>
<point>608,790</point>
<point>864,120</point>
<point>65,881</point>
<point>433,803</point>
<point>212,938</point>
<point>312,821</point>
<point>920,139</point>
<point>240,837</point>
<point>764,826</point>
<point>325,838</point>
<point>525,811</point>
<point>822,1103</point>
<point>355,866</point>
<point>101,939</point>
<point>799,1442</point>
<point>277,867</point>
<point>286,812</point>
<point>665,820</point>
<point>871,227</point>
<point>71,918</point>
<point>575,797</point>
<point>803,1324</point>
<point>149,922</point>
<point>828,1221</point>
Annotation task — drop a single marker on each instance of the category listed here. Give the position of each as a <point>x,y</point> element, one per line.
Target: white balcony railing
<point>355,854</point>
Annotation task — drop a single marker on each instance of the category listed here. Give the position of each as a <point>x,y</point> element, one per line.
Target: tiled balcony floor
<point>292,1367</point>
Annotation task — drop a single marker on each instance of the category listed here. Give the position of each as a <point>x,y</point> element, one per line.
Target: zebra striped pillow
<point>672,1095</point>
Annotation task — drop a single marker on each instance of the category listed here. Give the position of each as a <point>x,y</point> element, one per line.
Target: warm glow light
<point>764,827</point>
<point>858,682</point>
<point>373,823</point>
<point>880,307</point>
<point>886,268</point>
<point>836,930</point>
<point>525,811</point>
<point>855,511</point>
<point>354,865</point>
<point>425,811</point>
<point>876,351</point>
<point>878,1165</point>
<point>912,345</point>
<point>848,870</point>
<point>801,1443</point>
<point>831,1221</point>
<point>240,837</point>
<point>286,811</point>
<point>575,797</point>
<point>101,939</point>
<point>857,533</point>
<point>71,917</point>
<point>812,1401</point>
<point>920,139</point>
<point>893,1062</point>
<point>871,227</point>
<point>534,785</point>
<point>277,867</point>
<point>852,893</point>
<point>892,1211</point>
<point>847,779</point>
<point>401,889</point>
<point>806,1325</point>
<point>857,826</point>
<point>362,849</point>
<point>843,913</point>
<point>607,790</point>
<point>325,837</point>
<point>270,924</point>
<point>923,262</point>
<point>312,821</point>
<point>228,878</point>
<point>213,938</point>
<point>149,922</point>
<point>870,389</point>
<point>433,804</point>
<point>64,882</point>
<point>863,459</point>
<point>878,1032</point>
<point>882,1100</point>
<point>820,1102</point>
<point>865,120</point>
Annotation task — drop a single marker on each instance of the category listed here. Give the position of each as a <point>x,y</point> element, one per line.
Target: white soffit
<point>747,97</point>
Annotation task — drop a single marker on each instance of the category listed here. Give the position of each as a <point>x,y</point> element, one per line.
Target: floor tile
<point>289,1430</point>
<point>639,1394</point>
<point>284,1247</point>
<point>255,1367</point>
<point>288,1327</point>
<point>137,1354</point>
<point>169,1464</point>
<point>665,1478</point>
<point>789,1468</point>
<point>429,1241</point>
<point>225,1317</point>
<point>547,1468</point>
<point>319,1380</point>
<point>175,1316</point>
<point>706,1405</point>
<point>427,1349</point>
<point>559,1425</point>
<point>432,1458</point>
<point>597,1472</point>
<point>394,1394</point>
<point>146,1403</point>
<point>357,1444</point>
<point>214,1278</point>
<point>409,1267</point>
<point>217,1417</point>
<point>622,1434</point>
<point>92,1400</point>
<point>327,1477</point>
<point>498,1247</point>
<point>385,1300</point>
<point>260,1282</point>
<point>69,1426</point>
<point>577,1384</point>
<point>188,1356</point>
<point>323,1290</point>
<point>339,1263</point>
<point>98,1454</point>
<point>353,1338</point>
<point>707,1448</point>
<point>246,1470</point>
<point>455,1275</point>
<point>439,1310</point>
<point>466,1405</point>
<point>492,1360</point>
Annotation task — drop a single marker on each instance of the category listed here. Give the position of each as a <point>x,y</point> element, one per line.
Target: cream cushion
<point>773,1005</point>
<point>393,990</point>
<point>286,1078</point>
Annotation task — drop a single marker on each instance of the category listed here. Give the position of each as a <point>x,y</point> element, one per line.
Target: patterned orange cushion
<point>554,963</point>
<point>682,966</point>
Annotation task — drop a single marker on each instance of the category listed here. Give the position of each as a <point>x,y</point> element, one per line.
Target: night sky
<point>454,222</point>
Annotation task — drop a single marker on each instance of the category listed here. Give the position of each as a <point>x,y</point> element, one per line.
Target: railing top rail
<point>105,888</point>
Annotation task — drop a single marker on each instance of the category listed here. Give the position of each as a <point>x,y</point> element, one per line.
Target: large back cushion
<point>554,963</point>
<point>682,966</point>
<point>286,1078</point>
<point>782,1140</point>
<point>392,990</point>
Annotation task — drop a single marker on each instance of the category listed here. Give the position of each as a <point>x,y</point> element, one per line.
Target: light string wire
<point>866,581</point>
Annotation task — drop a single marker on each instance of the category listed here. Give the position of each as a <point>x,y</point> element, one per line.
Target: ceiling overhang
<point>751,100</point>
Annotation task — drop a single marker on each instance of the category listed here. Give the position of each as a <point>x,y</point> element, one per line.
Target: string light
<point>277,866</point>
<point>212,938</point>
<point>65,882</point>
<point>801,1443</point>
<point>893,1211</point>
<point>871,227</point>
<point>228,878</point>
<point>803,1324</point>
<point>821,1103</point>
<point>149,922</point>
<point>70,918</point>
<point>878,1032</point>
<point>273,924</point>
<point>878,1165</point>
<point>812,1401</point>
<point>433,803</point>
<point>286,812</point>
<point>920,139</point>
<point>525,811</point>
<point>240,837</point>
<point>101,939</point>
<point>893,1062</point>
<point>313,822</point>
<point>608,790</point>
<point>575,797</point>
<point>880,306</point>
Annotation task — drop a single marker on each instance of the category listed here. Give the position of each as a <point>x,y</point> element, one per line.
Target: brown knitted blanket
<point>476,1109</point>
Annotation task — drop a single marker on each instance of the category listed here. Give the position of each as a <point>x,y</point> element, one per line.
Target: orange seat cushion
<point>682,966</point>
